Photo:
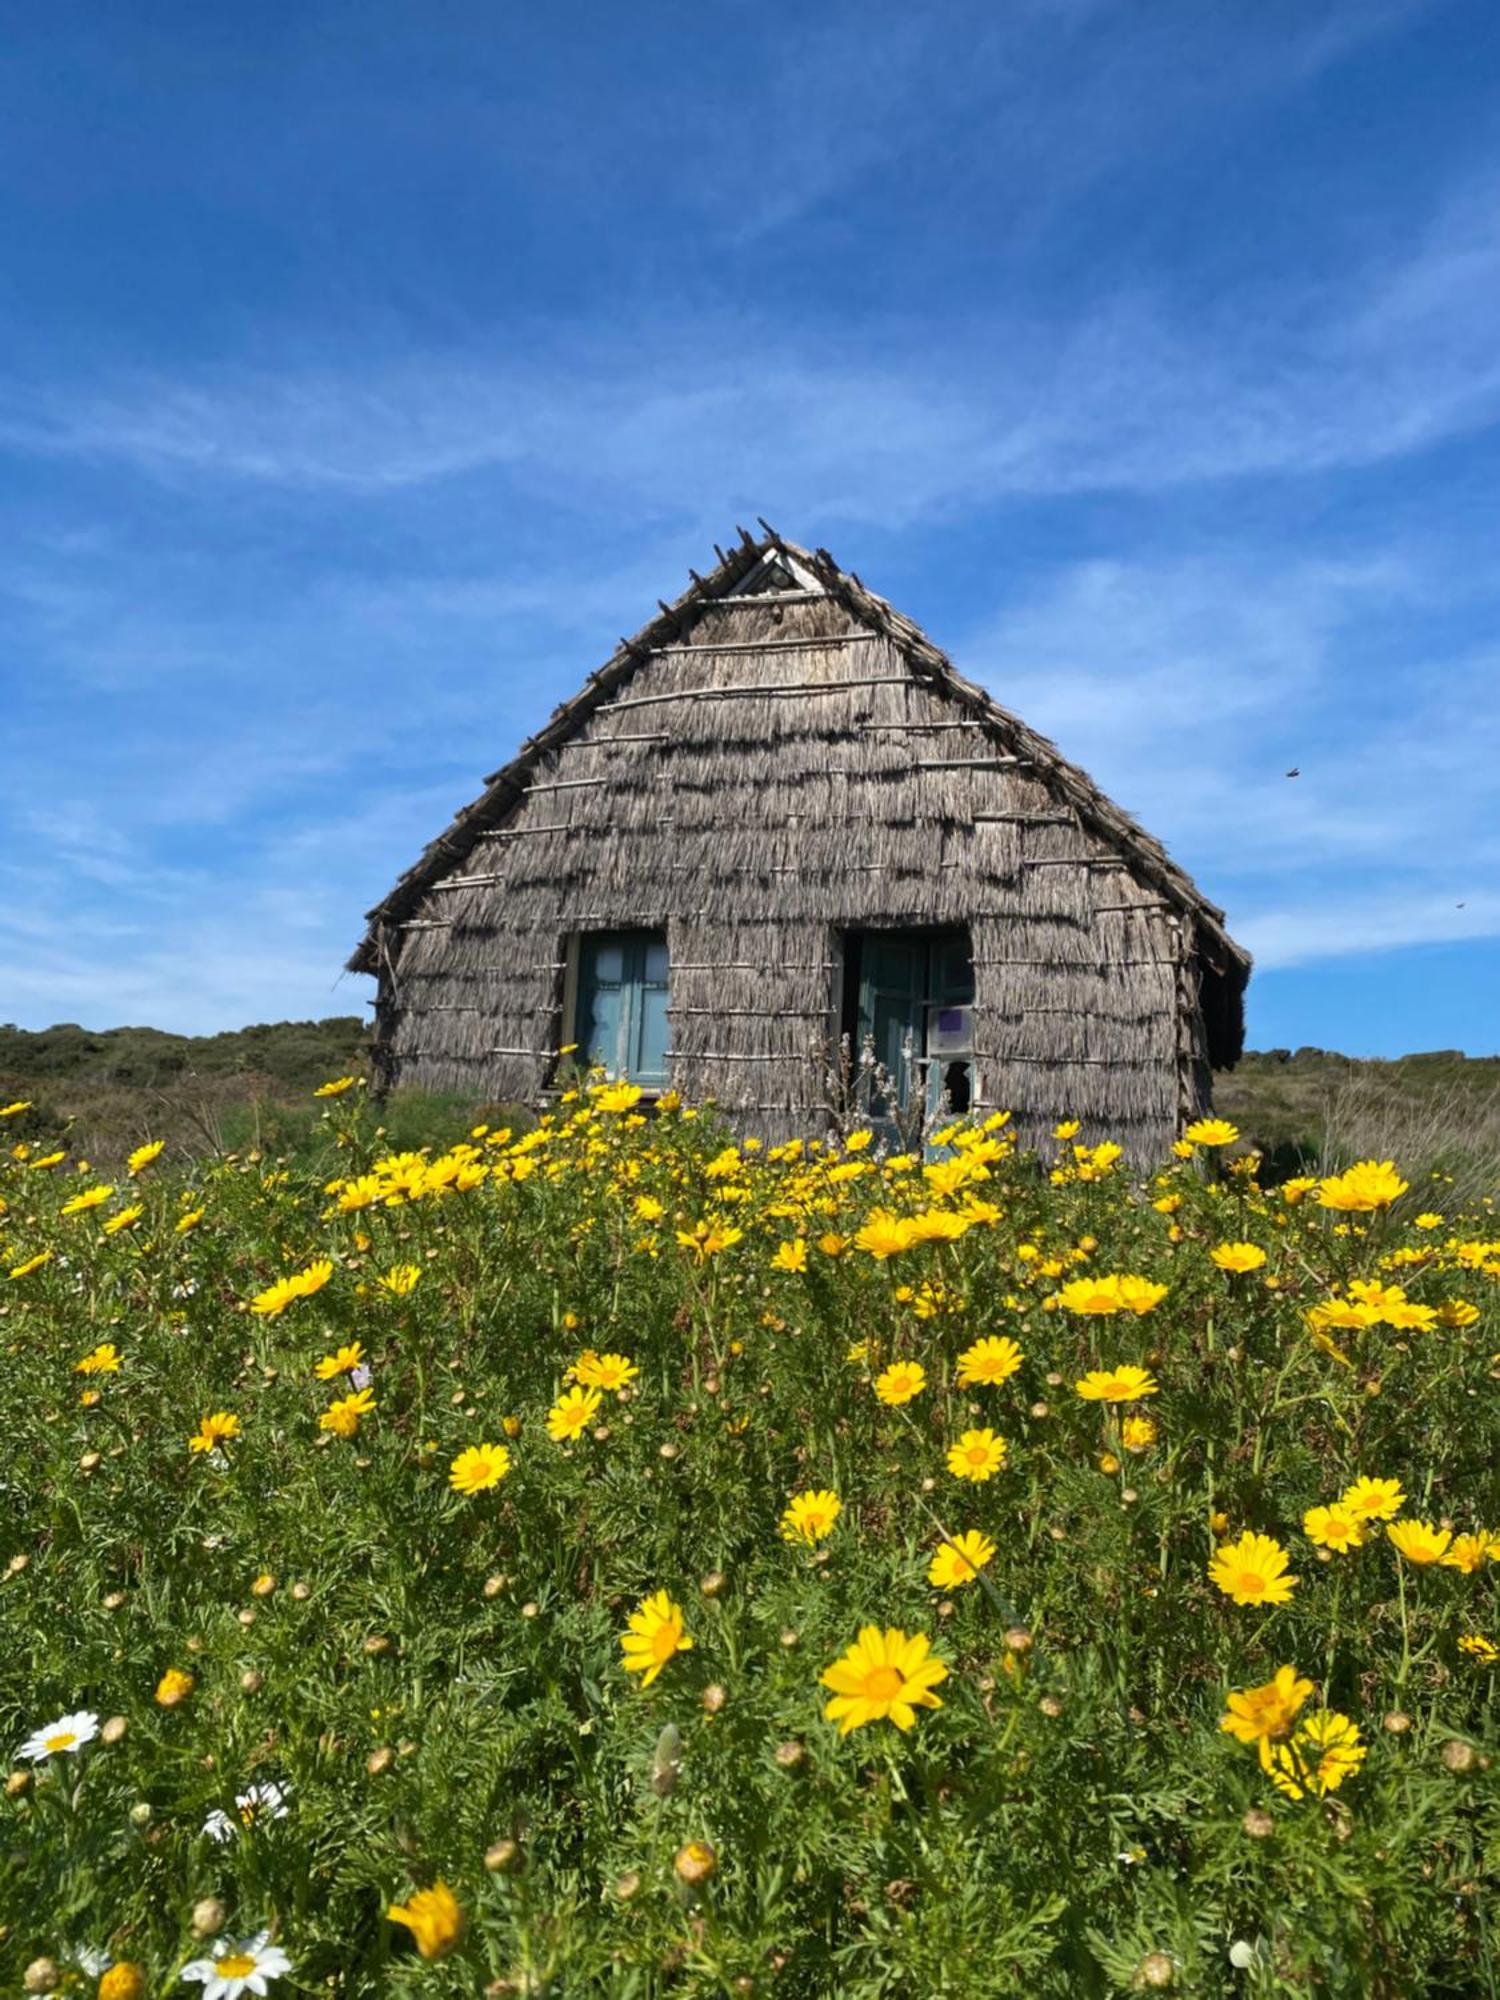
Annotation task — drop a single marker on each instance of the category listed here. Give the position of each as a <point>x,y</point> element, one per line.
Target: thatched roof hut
<point>775,816</point>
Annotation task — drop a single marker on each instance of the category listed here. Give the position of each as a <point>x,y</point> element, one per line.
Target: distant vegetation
<point>214,1092</point>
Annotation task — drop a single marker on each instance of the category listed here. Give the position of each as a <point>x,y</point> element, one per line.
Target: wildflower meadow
<point>604,1557</point>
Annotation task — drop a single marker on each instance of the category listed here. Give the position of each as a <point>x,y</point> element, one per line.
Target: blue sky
<point>366,369</point>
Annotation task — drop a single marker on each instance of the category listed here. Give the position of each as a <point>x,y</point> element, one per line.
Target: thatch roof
<point>505,790</point>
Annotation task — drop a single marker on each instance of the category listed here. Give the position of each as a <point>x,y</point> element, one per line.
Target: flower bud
<point>712,1585</point>
<point>1397,1722</point>
<point>252,1681</point>
<point>1258,1824</point>
<point>628,1887</point>
<point>1458,1757</point>
<point>666,1761</point>
<point>380,1760</point>
<point>713,1698</point>
<point>41,1976</point>
<point>208,1917</point>
<point>114,1730</point>
<point>790,1756</point>
<point>695,1863</point>
<point>17,1783</point>
<point>1155,1970</point>
<point>503,1857</point>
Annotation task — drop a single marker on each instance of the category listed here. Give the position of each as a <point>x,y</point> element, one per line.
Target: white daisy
<point>68,1733</point>
<point>238,1967</point>
<point>258,1803</point>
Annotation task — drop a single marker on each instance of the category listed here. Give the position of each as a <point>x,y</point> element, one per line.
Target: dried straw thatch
<point>777,757</point>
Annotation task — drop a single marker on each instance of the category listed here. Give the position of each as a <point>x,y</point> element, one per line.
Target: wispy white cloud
<point>886,419</point>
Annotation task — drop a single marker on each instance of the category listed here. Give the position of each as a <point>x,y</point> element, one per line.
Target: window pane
<point>606,960</point>
<point>655,970</point>
<point>650,1064</point>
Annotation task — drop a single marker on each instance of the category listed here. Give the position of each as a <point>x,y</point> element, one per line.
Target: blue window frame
<point>621,1020</point>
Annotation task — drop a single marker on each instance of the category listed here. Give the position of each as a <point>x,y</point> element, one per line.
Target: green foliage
<point>429,1674</point>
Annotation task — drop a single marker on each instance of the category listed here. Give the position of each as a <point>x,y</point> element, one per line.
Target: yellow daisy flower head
<point>275,1299</point>
<point>1367,1186</point>
<point>885,1675</point>
<point>1211,1132</point>
<point>900,1382</point>
<point>959,1562</point>
<point>104,1360</point>
<point>1419,1541</point>
<point>189,1221</point>
<point>213,1430</point>
<point>992,1360</point>
<point>31,1264</point>
<point>1469,1552</point>
<point>1252,1570</point>
<point>126,1219</point>
<point>655,1635</point>
<point>342,1362</point>
<point>1479,1648</point>
<point>342,1417</point>
<point>1262,1714</point>
<point>885,1235</point>
<point>791,1255</point>
<point>572,1413</point>
<point>434,1918</point>
<point>611,1372</point>
<point>1337,1527</point>
<point>174,1687</point>
<point>1323,1750</point>
<point>1373,1499</point>
<point>1068,1129</point>
<point>1092,1297</point>
<point>335,1087</point>
<point>1140,1295</point>
<point>1238,1257</point>
<point>478,1468</point>
<point>93,1197</point>
<point>618,1097</point>
<point>400,1279</point>
<point>978,1455</point>
<point>810,1516</point>
<point>1117,1385</point>
<point>1138,1433</point>
<point>142,1157</point>
<point>1457,1313</point>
